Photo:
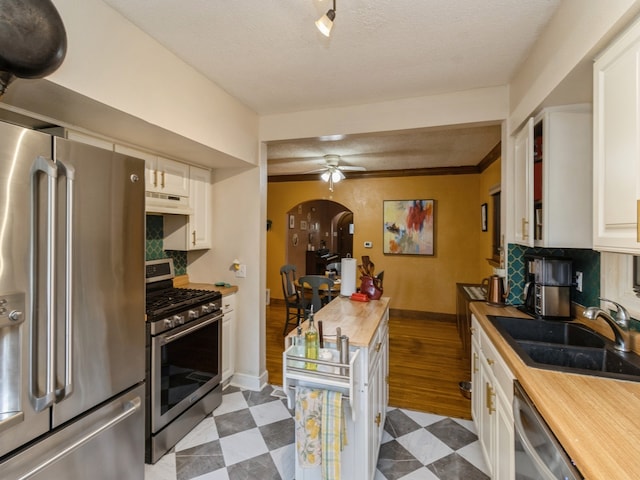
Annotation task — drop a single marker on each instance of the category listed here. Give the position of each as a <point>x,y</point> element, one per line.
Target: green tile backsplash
<point>584,260</point>
<point>154,245</point>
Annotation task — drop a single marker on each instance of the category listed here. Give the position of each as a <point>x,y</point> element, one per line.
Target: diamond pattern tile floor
<point>251,434</point>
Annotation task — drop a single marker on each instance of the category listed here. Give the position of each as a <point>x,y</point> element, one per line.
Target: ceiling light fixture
<point>325,22</point>
<point>332,175</point>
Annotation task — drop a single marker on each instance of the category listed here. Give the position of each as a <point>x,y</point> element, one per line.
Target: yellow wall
<point>488,179</point>
<point>419,283</point>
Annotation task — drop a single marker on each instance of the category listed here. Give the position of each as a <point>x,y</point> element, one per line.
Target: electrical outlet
<point>241,272</point>
<point>368,244</point>
<point>579,281</point>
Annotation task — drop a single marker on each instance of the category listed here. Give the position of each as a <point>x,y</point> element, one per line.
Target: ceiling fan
<point>332,171</point>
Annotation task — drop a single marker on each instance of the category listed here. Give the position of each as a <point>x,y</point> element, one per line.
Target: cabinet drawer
<point>503,376</point>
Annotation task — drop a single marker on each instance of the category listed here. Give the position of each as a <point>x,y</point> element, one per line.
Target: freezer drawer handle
<point>45,166</point>
<point>131,407</point>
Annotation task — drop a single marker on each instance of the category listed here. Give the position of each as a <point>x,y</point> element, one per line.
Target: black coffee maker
<point>548,287</point>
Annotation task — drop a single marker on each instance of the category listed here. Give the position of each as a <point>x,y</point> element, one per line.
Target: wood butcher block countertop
<point>597,420</point>
<point>182,281</point>
<point>357,320</point>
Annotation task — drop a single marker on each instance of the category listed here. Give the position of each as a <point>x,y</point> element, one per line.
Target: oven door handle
<point>170,338</point>
<point>542,468</point>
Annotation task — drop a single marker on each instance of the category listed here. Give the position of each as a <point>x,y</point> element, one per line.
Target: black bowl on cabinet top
<point>566,347</point>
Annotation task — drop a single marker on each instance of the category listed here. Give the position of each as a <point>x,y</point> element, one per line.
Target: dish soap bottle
<point>311,343</point>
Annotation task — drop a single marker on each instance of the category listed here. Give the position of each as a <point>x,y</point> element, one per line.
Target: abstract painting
<point>408,227</point>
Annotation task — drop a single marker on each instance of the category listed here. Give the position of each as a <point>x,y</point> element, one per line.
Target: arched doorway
<point>320,231</point>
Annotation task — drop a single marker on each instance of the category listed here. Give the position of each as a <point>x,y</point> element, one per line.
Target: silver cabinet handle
<point>47,167</point>
<point>170,338</point>
<point>131,407</point>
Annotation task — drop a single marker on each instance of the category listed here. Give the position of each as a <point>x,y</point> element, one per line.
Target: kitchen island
<point>595,419</point>
<point>363,385</point>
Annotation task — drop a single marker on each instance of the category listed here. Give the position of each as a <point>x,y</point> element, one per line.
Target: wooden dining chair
<point>320,287</point>
<point>294,302</point>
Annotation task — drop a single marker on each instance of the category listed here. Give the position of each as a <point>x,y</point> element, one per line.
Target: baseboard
<point>249,382</point>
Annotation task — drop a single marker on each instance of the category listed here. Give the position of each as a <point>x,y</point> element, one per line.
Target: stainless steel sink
<point>567,347</point>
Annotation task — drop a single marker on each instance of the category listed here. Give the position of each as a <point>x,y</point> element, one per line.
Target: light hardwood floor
<point>425,362</point>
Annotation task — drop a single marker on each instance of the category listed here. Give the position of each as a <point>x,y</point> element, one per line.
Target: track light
<point>325,22</point>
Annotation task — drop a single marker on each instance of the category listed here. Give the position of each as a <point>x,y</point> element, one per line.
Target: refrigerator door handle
<point>130,408</point>
<point>45,166</point>
<point>67,389</point>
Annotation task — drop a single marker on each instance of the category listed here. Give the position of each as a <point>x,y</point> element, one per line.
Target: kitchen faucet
<point>619,324</point>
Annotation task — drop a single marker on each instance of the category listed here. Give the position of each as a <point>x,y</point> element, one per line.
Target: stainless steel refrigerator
<point>71,310</point>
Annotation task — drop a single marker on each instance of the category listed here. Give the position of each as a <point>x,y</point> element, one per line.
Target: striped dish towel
<point>332,432</point>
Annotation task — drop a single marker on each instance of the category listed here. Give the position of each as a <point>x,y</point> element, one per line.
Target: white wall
<point>576,33</point>
<point>472,106</point>
<point>239,217</point>
<point>112,61</point>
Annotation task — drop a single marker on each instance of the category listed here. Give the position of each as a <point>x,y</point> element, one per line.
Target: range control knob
<point>192,314</point>
<point>168,323</point>
<point>205,309</point>
<point>178,319</point>
<point>212,306</point>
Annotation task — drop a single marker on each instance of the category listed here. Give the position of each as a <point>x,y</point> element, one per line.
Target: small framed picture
<point>303,224</point>
<point>483,217</point>
<point>292,221</point>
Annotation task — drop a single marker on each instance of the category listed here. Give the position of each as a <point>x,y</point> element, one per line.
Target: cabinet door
<point>228,337</point>
<point>486,419</point>
<point>522,185</point>
<point>173,177</point>
<point>567,177</point>
<point>617,145</point>
<point>503,455</point>
<point>199,199</point>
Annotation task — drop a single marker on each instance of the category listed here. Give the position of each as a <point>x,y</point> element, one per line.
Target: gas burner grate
<point>161,302</point>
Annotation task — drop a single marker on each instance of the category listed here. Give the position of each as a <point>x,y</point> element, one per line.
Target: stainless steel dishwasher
<point>538,455</point>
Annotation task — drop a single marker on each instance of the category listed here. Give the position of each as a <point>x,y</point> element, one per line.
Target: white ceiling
<point>269,55</point>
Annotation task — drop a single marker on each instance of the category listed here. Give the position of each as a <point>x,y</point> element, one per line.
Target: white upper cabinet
<point>168,176</point>
<point>192,232</point>
<point>166,182</point>
<point>553,179</point>
<point>616,164</point>
<point>523,173</point>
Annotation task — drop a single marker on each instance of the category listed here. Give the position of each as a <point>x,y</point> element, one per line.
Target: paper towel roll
<point>348,277</point>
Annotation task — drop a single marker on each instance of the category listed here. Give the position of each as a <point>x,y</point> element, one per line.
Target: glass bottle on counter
<point>311,342</point>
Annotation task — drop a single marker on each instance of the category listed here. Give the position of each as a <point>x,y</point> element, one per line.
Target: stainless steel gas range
<point>184,358</point>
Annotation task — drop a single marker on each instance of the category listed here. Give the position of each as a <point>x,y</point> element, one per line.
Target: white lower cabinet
<point>228,337</point>
<point>491,404</point>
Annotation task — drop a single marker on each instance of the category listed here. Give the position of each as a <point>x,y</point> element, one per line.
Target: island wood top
<point>357,320</point>
<point>597,420</point>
